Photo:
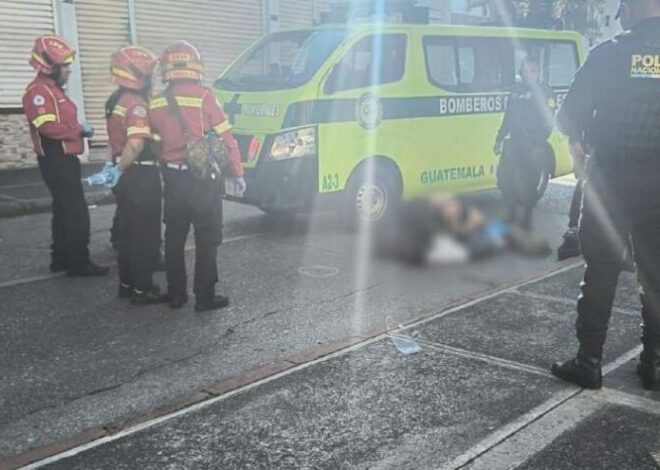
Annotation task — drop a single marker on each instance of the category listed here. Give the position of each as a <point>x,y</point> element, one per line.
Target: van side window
<point>373,60</point>
<point>469,65</point>
<point>441,62</point>
<point>486,65</point>
<point>563,64</point>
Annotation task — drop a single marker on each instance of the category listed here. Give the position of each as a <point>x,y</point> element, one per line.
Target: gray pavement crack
<point>200,352</point>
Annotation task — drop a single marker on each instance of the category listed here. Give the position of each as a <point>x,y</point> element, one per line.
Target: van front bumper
<point>281,185</point>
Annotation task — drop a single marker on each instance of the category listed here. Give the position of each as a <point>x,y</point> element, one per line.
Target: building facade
<point>221,29</point>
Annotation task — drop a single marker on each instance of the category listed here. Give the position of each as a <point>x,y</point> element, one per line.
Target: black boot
<point>570,248</point>
<point>149,297</point>
<point>649,368</point>
<point>125,291</point>
<point>583,371</point>
<point>88,270</point>
<point>177,301</point>
<point>215,303</point>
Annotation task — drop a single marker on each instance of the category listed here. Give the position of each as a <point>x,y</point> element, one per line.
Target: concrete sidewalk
<point>478,396</point>
<point>22,191</point>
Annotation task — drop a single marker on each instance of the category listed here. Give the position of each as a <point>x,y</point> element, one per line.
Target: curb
<point>255,375</point>
<point>36,206</point>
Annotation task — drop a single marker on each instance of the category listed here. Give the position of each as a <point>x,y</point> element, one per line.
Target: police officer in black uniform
<point>526,155</point>
<point>617,94</point>
<point>570,247</point>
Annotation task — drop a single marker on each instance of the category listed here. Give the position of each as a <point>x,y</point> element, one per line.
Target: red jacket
<point>53,118</point>
<point>201,113</point>
<point>129,119</point>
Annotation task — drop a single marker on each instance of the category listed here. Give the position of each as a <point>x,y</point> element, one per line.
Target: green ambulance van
<point>362,116</point>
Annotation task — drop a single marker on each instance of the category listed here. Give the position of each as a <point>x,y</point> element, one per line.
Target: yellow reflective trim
<point>134,130</point>
<point>222,128</point>
<point>185,101</point>
<point>119,111</point>
<point>189,101</point>
<point>38,58</point>
<point>121,73</point>
<point>43,119</point>
<point>158,103</point>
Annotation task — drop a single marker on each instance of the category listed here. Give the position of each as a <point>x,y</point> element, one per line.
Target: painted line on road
<point>640,403</point>
<point>373,337</point>
<point>46,277</point>
<point>502,435</point>
<point>569,301</point>
<point>487,358</point>
<point>536,436</point>
<point>490,295</point>
<point>196,407</point>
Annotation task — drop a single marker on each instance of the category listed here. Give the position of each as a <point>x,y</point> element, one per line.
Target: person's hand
<point>113,174</point>
<point>87,130</point>
<point>578,151</point>
<point>240,184</point>
<point>497,148</point>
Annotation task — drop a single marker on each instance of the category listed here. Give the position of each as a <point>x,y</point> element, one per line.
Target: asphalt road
<point>75,358</point>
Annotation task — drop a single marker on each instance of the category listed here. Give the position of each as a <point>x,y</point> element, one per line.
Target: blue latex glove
<point>240,184</point>
<point>113,174</point>
<point>88,130</point>
<point>108,176</point>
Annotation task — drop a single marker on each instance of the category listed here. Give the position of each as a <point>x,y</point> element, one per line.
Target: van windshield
<point>282,60</point>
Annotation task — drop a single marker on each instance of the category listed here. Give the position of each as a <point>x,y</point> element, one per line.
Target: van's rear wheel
<point>371,199</point>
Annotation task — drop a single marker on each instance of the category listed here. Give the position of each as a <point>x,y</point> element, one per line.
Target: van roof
<point>446,29</point>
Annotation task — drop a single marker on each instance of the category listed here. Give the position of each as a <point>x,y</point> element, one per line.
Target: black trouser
<point>70,223</point>
<point>576,204</point>
<point>190,201</point>
<point>520,175</point>
<point>138,215</point>
<point>621,203</point>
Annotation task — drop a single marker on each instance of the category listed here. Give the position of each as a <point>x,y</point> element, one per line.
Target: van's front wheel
<point>372,196</point>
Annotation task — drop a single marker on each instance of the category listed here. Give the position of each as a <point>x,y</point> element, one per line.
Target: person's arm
<point>42,111</point>
<point>505,127</point>
<point>577,110</point>
<point>138,130</point>
<point>132,150</point>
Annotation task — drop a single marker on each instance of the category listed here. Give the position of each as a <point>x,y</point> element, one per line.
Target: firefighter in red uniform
<point>138,189</point>
<point>189,200</point>
<point>58,139</point>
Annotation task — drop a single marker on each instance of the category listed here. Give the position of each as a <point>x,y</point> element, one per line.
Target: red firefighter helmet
<point>132,67</point>
<point>182,61</point>
<point>50,51</point>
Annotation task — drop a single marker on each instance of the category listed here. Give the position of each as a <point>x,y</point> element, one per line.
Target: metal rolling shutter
<point>20,22</point>
<point>296,14</point>
<point>103,27</point>
<point>220,29</point>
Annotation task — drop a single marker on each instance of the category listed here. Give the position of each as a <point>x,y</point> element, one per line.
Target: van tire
<point>375,202</point>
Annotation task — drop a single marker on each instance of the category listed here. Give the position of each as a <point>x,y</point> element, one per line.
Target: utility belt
<point>116,160</point>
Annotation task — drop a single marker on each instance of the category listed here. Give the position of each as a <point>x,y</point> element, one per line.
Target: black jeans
<point>621,203</point>
<point>190,201</point>
<point>138,215</point>
<point>70,223</point>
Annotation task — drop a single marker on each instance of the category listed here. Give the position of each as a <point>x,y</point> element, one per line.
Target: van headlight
<point>294,144</point>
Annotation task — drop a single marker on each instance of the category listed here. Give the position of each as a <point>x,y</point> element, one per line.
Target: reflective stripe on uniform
<point>186,101</point>
<point>136,130</point>
<point>222,128</point>
<point>43,119</point>
<point>119,111</point>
